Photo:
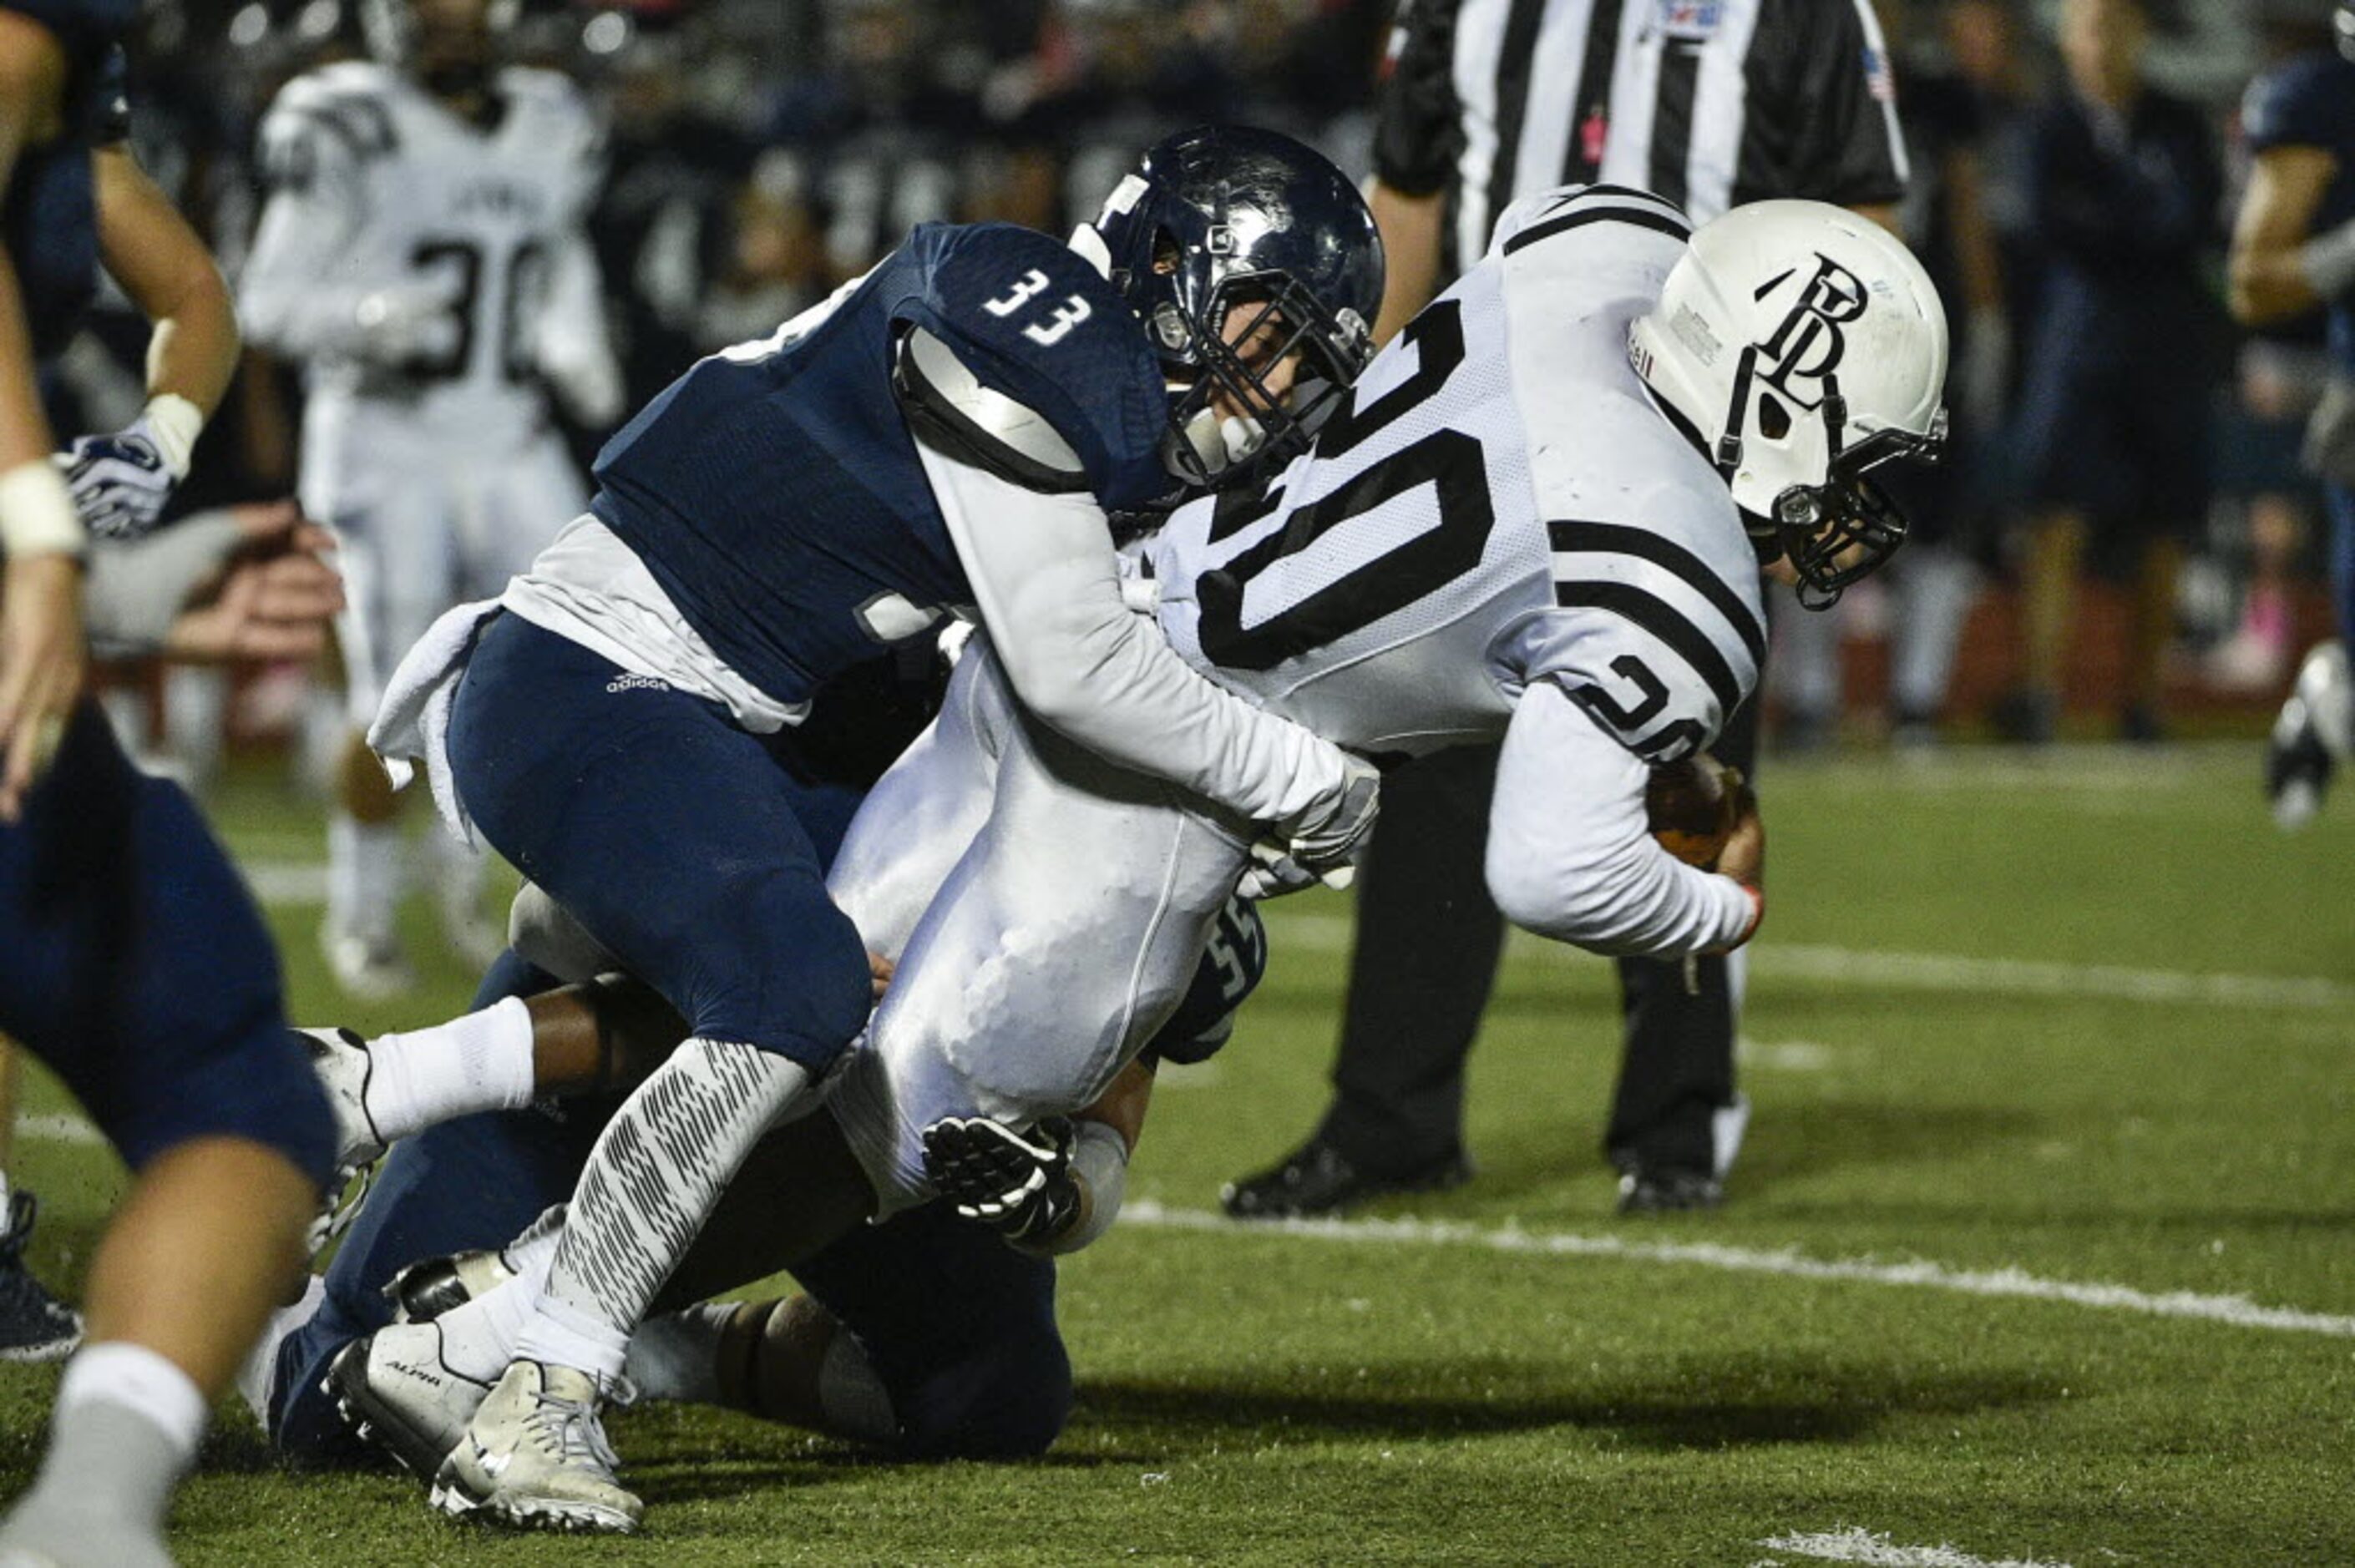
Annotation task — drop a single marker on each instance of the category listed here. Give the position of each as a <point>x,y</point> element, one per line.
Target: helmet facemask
<point>1232,418</point>
<point>1256,270</point>
<point>1846,527</point>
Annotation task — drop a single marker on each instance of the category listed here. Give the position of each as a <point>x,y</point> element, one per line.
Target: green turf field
<point>2041,1249</point>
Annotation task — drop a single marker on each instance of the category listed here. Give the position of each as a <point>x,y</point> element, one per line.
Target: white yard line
<point>1857,1545</point>
<point>1930,972</point>
<point>2237,1312</point>
<point>303,883</point>
<point>57,1127</point>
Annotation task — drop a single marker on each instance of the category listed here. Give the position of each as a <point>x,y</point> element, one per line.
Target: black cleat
<point>1667,1191</point>
<point>34,1326</point>
<point>1317,1179</point>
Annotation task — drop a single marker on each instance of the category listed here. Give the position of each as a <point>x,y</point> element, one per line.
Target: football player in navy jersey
<point>131,960</point>
<point>2294,249</point>
<point>951,431</point>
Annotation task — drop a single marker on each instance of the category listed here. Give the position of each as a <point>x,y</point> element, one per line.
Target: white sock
<point>364,876</point>
<point>562,1334</point>
<point>676,1356</point>
<point>119,1373</point>
<point>479,1338</point>
<point>478,1062</point>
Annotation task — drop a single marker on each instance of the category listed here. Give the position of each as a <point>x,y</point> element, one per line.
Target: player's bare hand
<point>1744,855</point>
<point>43,655</point>
<point>276,596</point>
<point>882,970</point>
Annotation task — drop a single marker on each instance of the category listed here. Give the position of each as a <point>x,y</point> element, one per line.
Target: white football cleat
<point>535,1455</point>
<point>394,1389</point>
<point>2314,734</point>
<point>340,1058</point>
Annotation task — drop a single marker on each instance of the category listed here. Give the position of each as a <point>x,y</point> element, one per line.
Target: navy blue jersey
<point>2310,102</point>
<point>51,220</point>
<point>775,490</point>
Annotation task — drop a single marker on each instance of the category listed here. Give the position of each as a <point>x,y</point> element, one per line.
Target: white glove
<point>1321,845</point>
<point>119,482</point>
<point>408,321</point>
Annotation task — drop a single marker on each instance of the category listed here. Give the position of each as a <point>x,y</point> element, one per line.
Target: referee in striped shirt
<point>1710,103</point>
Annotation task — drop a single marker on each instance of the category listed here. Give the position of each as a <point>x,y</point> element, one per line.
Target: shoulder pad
<point>949,409</point>
<point>555,96</point>
<point>339,113</point>
<point>1032,319</point>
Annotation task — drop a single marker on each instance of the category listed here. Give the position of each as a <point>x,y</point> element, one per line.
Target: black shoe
<point>1316,1179</point>
<point>1667,1191</point>
<point>2027,717</point>
<point>34,1326</point>
<point>2139,725</point>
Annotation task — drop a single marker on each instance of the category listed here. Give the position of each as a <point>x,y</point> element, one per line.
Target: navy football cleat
<point>34,1326</point>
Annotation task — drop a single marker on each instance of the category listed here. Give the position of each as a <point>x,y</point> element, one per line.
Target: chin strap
<point>1729,443</point>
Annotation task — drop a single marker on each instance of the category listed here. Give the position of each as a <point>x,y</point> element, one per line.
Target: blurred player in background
<point>131,960</point>
<point>423,255</point>
<point>2123,183</point>
<point>2293,250</point>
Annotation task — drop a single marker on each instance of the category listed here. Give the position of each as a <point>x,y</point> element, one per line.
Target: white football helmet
<point>1803,344</point>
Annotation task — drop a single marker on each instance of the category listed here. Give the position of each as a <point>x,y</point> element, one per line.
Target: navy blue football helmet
<point>1227,220</point>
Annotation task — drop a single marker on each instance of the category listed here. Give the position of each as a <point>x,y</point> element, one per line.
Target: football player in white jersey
<point>1538,517</point>
<point>422,255</point>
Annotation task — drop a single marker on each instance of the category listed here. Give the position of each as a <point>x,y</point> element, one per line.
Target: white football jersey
<point>1499,503</point>
<point>418,260</point>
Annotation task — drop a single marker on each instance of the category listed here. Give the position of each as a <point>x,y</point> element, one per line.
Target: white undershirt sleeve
<point>1046,581</point>
<point>1571,854</point>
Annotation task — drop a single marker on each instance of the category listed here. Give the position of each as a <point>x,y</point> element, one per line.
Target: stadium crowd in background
<point>759,156</point>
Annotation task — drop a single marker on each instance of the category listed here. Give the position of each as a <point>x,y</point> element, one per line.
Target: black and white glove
<point>119,482</point>
<point>1020,1186</point>
<point>1321,845</point>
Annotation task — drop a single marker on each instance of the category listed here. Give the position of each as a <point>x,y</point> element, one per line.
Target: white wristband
<point>1099,1162</point>
<point>175,423</point>
<point>37,511</point>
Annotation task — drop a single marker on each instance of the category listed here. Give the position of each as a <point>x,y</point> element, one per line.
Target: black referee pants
<point>1428,942</point>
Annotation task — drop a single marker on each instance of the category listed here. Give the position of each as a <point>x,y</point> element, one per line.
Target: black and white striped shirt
<point>1709,103</point>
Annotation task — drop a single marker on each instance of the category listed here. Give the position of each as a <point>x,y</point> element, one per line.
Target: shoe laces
<point>570,1430</point>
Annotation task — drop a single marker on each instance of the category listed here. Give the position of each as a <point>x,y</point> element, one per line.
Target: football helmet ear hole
<point>1774,419</point>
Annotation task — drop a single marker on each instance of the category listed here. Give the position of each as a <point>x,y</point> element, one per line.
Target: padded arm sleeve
<point>1044,577</point>
<point>1571,854</point>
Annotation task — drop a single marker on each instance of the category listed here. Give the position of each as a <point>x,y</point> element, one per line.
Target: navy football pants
<point>681,842</point>
<point>134,962</point>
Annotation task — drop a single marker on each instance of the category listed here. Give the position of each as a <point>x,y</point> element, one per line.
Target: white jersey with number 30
<point>1499,503</point>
